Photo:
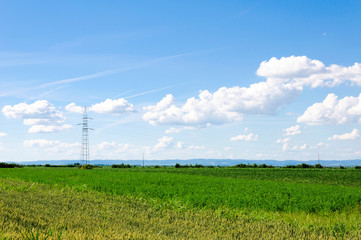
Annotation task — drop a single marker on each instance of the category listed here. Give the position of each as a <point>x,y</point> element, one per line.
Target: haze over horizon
<point>181,80</point>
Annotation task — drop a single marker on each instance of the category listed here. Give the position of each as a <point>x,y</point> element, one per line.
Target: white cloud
<point>224,105</point>
<point>303,71</point>
<point>285,140</point>
<point>39,143</point>
<point>180,145</point>
<point>333,111</point>
<point>285,143</point>
<point>290,67</point>
<point>2,134</point>
<point>285,79</point>
<point>41,115</point>
<point>39,121</point>
<point>72,107</point>
<point>347,136</point>
<point>300,148</point>
<point>249,137</point>
<point>178,130</point>
<point>40,109</point>
<point>173,130</point>
<point>53,146</point>
<point>291,131</point>
<point>196,147</point>
<point>163,142</point>
<point>48,128</point>
<point>109,106</point>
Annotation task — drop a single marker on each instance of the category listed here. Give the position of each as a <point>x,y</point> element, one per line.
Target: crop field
<point>180,203</point>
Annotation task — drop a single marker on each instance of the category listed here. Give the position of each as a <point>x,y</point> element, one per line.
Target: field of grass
<point>159,203</point>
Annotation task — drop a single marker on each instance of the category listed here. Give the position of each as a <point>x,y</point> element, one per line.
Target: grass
<point>171,203</point>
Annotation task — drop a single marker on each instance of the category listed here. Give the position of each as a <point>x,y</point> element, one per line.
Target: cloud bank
<point>249,137</point>
<point>285,80</point>
<point>347,136</point>
<point>41,115</point>
<point>333,111</point>
<point>291,131</point>
<point>109,106</point>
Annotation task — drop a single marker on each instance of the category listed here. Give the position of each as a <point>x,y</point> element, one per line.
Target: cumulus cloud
<point>290,67</point>
<point>53,146</point>
<point>109,106</point>
<point>284,140</point>
<point>39,143</point>
<point>41,115</point>
<point>291,131</point>
<point>196,147</point>
<point>249,137</point>
<point>300,148</point>
<point>40,109</point>
<point>178,130</point>
<point>353,135</point>
<point>285,79</point>
<point>224,105</point>
<point>180,145</point>
<point>285,143</point>
<point>72,107</point>
<point>302,71</point>
<point>333,111</point>
<point>163,142</point>
<point>318,145</point>
<point>48,128</point>
<point>2,134</point>
<point>173,130</point>
<point>287,147</point>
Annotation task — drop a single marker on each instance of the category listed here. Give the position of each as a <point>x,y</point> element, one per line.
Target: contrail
<point>112,71</point>
<point>149,91</point>
<point>95,75</point>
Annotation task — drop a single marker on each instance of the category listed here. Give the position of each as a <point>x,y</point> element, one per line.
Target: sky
<point>180,79</point>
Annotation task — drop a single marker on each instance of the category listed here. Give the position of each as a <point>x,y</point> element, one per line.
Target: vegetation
<point>242,165</point>
<point>177,165</point>
<point>49,165</point>
<point>9,165</point>
<point>121,165</point>
<point>160,203</point>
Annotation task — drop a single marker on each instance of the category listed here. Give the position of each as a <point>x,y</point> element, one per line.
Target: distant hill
<point>206,162</point>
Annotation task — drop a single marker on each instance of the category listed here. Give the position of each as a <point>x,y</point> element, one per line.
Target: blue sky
<point>180,79</point>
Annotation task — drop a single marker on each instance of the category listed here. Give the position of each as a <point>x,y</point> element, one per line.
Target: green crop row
<point>178,189</point>
<point>41,211</point>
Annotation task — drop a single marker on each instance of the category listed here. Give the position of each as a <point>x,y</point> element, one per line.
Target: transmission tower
<point>84,155</point>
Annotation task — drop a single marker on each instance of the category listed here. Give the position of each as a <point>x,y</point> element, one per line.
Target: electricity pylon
<point>84,155</point>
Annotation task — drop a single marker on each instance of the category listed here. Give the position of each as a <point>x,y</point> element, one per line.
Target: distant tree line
<point>242,165</point>
<point>122,166</point>
<point>67,165</point>
<point>10,165</point>
<point>177,165</point>
<point>304,165</point>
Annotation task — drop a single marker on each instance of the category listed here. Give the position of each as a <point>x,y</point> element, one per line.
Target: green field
<point>161,203</point>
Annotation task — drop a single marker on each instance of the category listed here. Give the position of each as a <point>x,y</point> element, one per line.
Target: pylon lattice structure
<point>84,155</point>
